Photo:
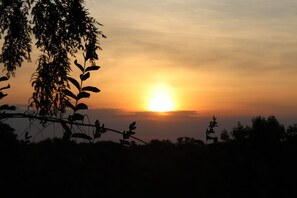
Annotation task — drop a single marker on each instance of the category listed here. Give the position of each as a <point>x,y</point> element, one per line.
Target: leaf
<point>81,135</point>
<point>74,82</point>
<point>7,87</point>
<point>97,135</point>
<point>90,88</point>
<point>103,129</point>
<point>209,137</point>
<point>81,106</point>
<point>97,125</point>
<point>85,77</point>
<point>2,95</point>
<point>67,133</point>
<point>92,68</point>
<point>79,66</point>
<point>7,107</point>
<point>69,93</point>
<point>68,104</point>
<point>27,137</point>
<point>76,116</point>
<point>125,142</point>
<point>132,126</point>
<point>83,95</point>
<point>3,78</point>
<point>126,135</point>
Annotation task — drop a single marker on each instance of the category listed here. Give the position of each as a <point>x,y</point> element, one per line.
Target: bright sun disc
<point>161,101</point>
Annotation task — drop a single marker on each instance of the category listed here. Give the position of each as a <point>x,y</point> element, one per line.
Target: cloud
<point>225,35</point>
<point>224,51</point>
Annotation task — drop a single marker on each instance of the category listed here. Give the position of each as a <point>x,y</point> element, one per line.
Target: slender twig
<point>40,131</point>
<point>58,120</point>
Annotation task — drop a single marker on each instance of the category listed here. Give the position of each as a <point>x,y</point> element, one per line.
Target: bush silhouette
<point>263,131</point>
<point>291,134</point>
<point>266,130</point>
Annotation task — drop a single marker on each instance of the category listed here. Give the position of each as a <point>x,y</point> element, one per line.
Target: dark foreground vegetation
<point>242,167</point>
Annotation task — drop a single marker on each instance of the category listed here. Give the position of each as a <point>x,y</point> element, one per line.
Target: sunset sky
<point>223,57</point>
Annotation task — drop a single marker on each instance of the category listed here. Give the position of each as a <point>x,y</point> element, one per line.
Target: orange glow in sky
<point>171,65</point>
<point>228,56</point>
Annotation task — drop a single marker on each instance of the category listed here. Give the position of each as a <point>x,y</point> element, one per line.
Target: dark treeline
<point>252,161</point>
<point>262,132</point>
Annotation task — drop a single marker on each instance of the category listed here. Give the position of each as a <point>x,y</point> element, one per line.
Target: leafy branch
<point>61,29</point>
<point>210,130</point>
<point>98,129</point>
<point>5,127</point>
<point>2,95</point>
<point>73,100</point>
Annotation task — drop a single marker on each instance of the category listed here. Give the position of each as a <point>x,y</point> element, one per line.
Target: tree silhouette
<point>240,133</point>
<point>291,134</point>
<point>180,141</point>
<point>266,130</point>
<point>225,136</point>
<point>263,131</point>
<point>61,29</point>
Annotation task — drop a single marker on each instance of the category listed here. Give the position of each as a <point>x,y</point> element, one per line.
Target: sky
<point>226,56</point>
<point>231,58</point>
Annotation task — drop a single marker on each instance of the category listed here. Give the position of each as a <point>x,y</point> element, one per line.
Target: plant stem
<point>59,120</point>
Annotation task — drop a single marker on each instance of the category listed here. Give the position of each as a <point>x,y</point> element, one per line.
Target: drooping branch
<point>14,25</point>
<point>61,28</point>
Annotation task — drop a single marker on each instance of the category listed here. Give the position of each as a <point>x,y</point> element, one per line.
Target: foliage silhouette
<point>210,130</point>
<point>73,101</point>
<point>240,133</point>
<point>57,168</point>
<point>65,169</point>
<point>188,140</point>
<point>225,136</point>
<point>4,127</point>
<point>291,134</point>
<point>266,130</point>
<point>62,28</point>
<point>161,168</point>
<point>262,132</point>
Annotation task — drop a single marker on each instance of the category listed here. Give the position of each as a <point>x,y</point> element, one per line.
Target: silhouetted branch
<point>5,115</point>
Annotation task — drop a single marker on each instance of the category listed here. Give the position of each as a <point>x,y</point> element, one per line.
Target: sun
<point>161,100</point>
